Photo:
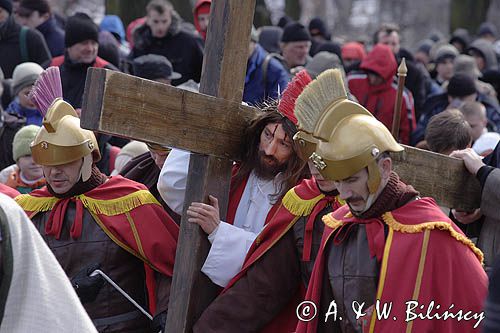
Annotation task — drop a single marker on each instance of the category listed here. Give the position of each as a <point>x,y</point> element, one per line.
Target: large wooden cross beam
<point>210,124</point>
<point>203,124</point>
<point>127,106</point>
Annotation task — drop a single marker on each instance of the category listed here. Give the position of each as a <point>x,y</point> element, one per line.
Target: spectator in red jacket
<point>375,89</point>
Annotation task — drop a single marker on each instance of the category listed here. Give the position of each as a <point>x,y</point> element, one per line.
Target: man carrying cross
<point>387,245</point>
<point>280,260</point>
<point>269,168</point>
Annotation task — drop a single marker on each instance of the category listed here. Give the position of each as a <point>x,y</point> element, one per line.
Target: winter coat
<point>486,49</point>
<point>73,76</point>
<point>260,86</point>
<point>33,116</point>
<point>10,46</point>
<point>9,125</point>
<point>196,9</point>
<point>380,99</point>
<point>54,36</point>
<point>415,81</point>
<point>182,48</point>
<point>438,103</point>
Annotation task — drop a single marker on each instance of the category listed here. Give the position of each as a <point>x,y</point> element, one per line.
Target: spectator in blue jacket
<point>265,76</point>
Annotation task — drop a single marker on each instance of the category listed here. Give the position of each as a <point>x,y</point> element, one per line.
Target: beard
<point>268,166</point>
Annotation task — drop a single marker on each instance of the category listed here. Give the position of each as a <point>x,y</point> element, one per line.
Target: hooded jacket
<point>197,8</point>
<point>182,48</point>
<point>380,99</point>
<point>486,49</point>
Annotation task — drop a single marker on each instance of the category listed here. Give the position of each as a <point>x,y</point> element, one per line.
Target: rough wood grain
<point>127,106</point>
<point>442,177</point>
<point>124,105</point>
<point>223,75</point>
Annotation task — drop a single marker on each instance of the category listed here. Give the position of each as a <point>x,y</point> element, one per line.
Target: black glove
<point>87,287</point>
<point>159,321</point>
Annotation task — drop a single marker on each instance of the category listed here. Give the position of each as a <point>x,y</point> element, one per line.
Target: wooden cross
<point>210,123</point>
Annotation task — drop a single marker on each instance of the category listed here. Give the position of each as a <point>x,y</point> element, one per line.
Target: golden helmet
<point>354,143</point>
<point>61,140</point>
<point>344,135</point>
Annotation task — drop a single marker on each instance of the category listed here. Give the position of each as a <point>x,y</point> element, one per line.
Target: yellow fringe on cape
<point>329,221</point>
<point>412,229</point>
<point>445,226</point>
<point>298,206</point>
<point>36,204</point>
<point>108,207</point>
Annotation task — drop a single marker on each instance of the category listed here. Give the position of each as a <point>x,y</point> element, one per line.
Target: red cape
<point>8,191</point>
<point>128,214</point>
<point>303,200</point>
<point>426,258</point>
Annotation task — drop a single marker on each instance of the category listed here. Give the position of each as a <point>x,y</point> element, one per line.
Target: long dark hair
<point>296,169</point>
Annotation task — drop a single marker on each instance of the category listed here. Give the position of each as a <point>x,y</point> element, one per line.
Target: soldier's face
<point>323,184</point>
<point>159,23</point>
<point>62,178</point>
<point>354,190</point>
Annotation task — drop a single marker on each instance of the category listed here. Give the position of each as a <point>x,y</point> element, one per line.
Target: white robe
<point>230,243</point>
<point>40,297</point>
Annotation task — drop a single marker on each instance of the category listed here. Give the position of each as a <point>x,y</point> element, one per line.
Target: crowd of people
<point>316,211</point>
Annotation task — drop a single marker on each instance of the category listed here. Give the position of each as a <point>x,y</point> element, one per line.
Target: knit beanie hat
<point>22,141</point>
<point>80,28</point>
<point>465,64</point>
<point>25,75</point>
<point>7,5</point>
<point>321,62</point>
<point>461,85</point>
<point>295,32</point>
<point>487,28</point>
<point>445,51</point>
<point>318,27</point>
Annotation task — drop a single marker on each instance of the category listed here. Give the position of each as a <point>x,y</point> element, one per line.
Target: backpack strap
<point>265,66</point>
<point>23,44</point>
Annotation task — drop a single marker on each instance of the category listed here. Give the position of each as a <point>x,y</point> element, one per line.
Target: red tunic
<point>303,200</point>
<point>126,211</point>
<point>425,257</point>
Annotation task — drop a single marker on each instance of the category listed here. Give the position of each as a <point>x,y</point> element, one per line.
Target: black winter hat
<point>318,27</point>
<point>284,20</point>
<point>26,7</point>
<point>461,85</point>
<point>80,28</point>
<point>295,32</point>
<point>7,5</point>
<point>153,66</point>
<point>461,36</point>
